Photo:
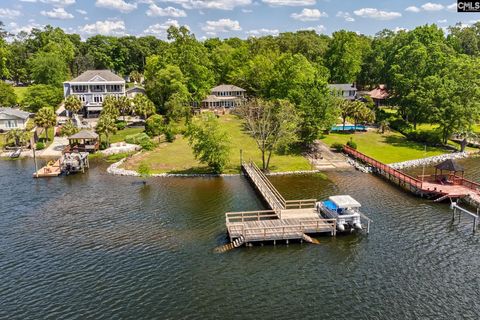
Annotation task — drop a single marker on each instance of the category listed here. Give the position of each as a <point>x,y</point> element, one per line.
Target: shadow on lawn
<point>403,142</point>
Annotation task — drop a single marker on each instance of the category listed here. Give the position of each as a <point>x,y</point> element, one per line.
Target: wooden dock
<point>287,219</point>
<point>454,187</point>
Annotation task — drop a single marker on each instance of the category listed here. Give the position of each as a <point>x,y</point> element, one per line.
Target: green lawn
<point>388,148</point>
<point>177,157</point>
<point>2,140</point>
<point>121,134</point>
<point>20,92</point>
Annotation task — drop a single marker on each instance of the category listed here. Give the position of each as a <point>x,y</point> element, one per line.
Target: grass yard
<point>20,92</point>
<point>121,134</point>
<point>177,157</point>
<point>388,148</point>
<point>3,138</point>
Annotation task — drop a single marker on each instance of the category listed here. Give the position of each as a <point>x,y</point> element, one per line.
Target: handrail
<point>399,174</point>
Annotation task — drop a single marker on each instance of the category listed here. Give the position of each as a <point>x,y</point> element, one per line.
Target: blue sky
<point>227,18</point>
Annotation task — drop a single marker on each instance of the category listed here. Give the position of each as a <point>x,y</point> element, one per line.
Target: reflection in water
<point>98,246</point>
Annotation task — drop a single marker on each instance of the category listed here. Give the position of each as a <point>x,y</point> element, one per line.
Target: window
<point>98,99</point>
<point>12,123</point>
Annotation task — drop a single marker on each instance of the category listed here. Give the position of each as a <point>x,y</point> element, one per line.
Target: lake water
<point>95,246</point>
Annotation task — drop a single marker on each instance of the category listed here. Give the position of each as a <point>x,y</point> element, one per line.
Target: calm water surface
<point>95,246</point>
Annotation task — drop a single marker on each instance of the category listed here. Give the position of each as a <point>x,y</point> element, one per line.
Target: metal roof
<point>343,86</point>
<point>15,112</point>
<point>97,76</point>
<point>345,201</point>
<point>227,88</point>
<point>450,165</point>
<point>84,134</point>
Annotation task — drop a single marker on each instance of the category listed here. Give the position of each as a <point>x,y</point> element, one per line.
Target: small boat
<point>343,208</point>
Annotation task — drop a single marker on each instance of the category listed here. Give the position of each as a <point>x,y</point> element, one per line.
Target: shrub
<point>428,137</point>
<point>352,144</point>
<point>154,126</point>
<point>121,125</point>
<point>337,146</point>
<point>169,133</point>
<point>40,146</point>
<point>136,138</point>
<point>144,169</point>
<point>104,145</point>
<point>400,125</point>
<point>148,144</point>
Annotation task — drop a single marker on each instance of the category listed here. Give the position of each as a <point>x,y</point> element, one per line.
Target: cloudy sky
<point>227,18</point>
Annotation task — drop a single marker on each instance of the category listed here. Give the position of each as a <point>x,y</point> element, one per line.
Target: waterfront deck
<point>454,187</point>
<point>287,219</point>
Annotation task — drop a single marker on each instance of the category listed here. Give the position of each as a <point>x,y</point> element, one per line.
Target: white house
<point>92,86</point>
<point>13,119</point>
<point>225,96</point>
<point>344,90</point>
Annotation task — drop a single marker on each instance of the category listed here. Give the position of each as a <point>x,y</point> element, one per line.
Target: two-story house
<point>224,96</point>
<point>346,91</point>
<point>92,86</point>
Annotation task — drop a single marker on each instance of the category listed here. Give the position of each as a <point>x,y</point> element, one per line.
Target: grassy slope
<point>121,134</point>
<point>178,157</point>
<point>389,148</point>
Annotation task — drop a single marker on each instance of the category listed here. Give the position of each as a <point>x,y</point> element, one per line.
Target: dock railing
<point>276,201</point>
<point>385,168</point>
<point>288,231</point>
<point>243,216</point>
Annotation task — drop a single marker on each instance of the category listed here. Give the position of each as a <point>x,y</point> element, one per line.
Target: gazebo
<point>84,141</point>
<point>452,168</point>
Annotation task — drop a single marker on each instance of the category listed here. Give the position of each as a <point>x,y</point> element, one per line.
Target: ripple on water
<point>97,246</point>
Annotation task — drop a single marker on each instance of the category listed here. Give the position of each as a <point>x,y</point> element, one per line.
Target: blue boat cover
<point>330,205</point>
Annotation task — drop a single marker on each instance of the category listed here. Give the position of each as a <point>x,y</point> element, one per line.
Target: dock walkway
<point>458,187</point>
<point>287,219</point>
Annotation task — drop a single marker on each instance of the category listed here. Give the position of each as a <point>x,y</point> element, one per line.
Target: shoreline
<point>114,169</point>
<point>431,160</point>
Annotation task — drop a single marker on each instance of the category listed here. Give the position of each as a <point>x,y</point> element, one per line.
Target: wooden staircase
<point>229,246</point>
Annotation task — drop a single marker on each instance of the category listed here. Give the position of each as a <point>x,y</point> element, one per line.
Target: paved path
<point>325,159</point>
<point>55,149</point>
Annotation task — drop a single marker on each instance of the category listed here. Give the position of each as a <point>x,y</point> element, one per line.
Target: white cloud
<point>290,3</point>
<point>442,21</point>
<point>262,32</point>
<point>429,6</point>
<point>9,13</point>
<point>156,11</point>
<point>57,13</point>
<point>58,3</point>
<point>119,5</point>
<point>210,4</point>
<point>15,28</point>
<point>222,25</point>
<point>319,29</point>
<point>247,11</point>
<point>345,15</point>
<point>398,29</point>
<point>309,15</point>
<point>107,27</point>
<point>452,7</point>
<point>413,9</point>
<point>159,30</point>
<point>377,14</point>
<point>82,12</point>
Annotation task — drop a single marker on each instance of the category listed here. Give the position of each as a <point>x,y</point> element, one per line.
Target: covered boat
<point>343,208</point>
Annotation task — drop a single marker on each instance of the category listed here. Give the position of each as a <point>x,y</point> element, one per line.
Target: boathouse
<point>83,141</point>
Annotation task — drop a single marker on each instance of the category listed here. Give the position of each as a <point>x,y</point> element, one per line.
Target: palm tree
<point>73,104</point>
<point>69,128</point>
<point>18,137</point>
<point>124,105</point>
<point>143,106</point>
<point>106,126</point>
<point>136,76</point>
<point>46,118</point>
<point>110,108</point>
<point>362,113</point>
<point>383,126</point>
<point>346,109</point>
